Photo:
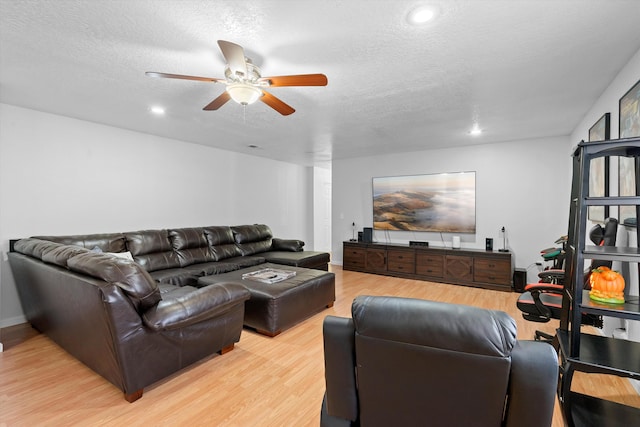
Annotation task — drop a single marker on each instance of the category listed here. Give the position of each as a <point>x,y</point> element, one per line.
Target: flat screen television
<point>442,202</point>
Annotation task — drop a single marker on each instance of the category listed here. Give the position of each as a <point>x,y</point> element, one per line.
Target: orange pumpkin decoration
<point>606,286</point>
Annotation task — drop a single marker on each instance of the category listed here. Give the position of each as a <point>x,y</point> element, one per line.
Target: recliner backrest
<point>402,344</point>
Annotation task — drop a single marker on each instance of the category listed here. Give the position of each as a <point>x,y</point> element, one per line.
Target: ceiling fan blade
<point>234,55</point>
<point>218,102</point>
<point>297,80</point>
<point>183,77</point>
<point>276,104</point>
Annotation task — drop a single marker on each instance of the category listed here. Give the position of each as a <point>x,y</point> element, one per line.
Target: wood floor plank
<point>263,382</point>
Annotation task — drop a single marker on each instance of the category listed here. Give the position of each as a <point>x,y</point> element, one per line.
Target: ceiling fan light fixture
<point>244,94</point>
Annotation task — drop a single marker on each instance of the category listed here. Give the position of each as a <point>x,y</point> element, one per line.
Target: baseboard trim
<point>11,321</point>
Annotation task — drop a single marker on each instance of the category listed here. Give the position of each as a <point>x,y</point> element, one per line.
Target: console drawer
<point>354,258</point>
<point>488,270</point>
<point>428,264</point>
<point>400,261</point>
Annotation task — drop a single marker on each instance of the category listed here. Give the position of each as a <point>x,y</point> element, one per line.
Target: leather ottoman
<point>273,307</point>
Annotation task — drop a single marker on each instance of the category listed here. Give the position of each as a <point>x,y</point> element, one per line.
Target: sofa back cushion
<point>129,276</point>
<point>190,245</point>
<point>110,242</point>
<point>34,247</point>
<point>252,239</point>
<point>152,249</point>
<point>221,243</point>
<point>59,255</point>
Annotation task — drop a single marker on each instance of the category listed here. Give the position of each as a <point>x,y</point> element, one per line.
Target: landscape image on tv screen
<point>443,202</point>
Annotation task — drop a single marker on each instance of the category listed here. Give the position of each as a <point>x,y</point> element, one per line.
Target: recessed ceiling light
<point>422,15</point>
<point>475,130</point>
<point>157,110</point>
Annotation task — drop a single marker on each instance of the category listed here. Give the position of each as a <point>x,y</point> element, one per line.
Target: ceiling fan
<point>245,84</point>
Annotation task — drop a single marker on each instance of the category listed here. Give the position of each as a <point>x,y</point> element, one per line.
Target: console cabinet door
<point>459,268</point>
<point>376,259</point>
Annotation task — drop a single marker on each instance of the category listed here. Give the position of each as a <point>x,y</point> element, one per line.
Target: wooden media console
<point>470,267</point>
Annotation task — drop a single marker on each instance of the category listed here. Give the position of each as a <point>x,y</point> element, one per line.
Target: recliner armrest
<point>193,306</point>
<point>532,385</point>
<point>339,367</point>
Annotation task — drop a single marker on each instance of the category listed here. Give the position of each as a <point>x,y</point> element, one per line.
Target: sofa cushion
<point>183,276</point>
<point>252,239</point>
<point>217,267</point>
<point>34,247</point>
<point>59,255</point>
<point>108,242</point>
<point>152,249</point>
<point>221,242</point>
<point>191,245</point>
<point>219,235</point>
<point>246,261</point>
<point>129,276</point>
<point>307,259</point>
<point>230,264</point>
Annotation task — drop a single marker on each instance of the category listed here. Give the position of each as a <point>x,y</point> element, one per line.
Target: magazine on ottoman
<point>269,275</point>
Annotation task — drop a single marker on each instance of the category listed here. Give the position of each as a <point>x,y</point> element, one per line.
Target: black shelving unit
<point>580,351</point>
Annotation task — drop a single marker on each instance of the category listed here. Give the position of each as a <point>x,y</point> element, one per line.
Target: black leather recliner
<point>410,362</point>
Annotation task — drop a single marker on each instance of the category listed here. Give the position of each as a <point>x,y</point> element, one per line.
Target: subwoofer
<point>519,279</point>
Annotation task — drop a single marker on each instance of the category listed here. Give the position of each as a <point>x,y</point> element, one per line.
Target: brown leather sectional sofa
<point>135,323</point>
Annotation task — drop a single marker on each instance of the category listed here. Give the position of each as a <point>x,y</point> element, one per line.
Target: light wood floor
<point>262,382</point>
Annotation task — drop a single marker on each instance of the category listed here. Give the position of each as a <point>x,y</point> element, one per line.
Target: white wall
<point>64,176</point>
<point>521,185</point>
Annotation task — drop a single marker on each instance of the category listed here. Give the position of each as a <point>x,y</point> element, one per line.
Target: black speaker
<point>367,235</point>
<point>488,244</point>
<point>359,236</point>
<point>519,279</point>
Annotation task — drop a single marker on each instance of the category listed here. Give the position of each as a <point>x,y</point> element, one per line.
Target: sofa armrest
<point>290,245</point>
<point>532,384</point>
<point>339,367</point>
<point>193,307</point>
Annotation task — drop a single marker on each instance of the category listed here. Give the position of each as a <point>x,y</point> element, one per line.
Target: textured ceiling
<point>521,69</point>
